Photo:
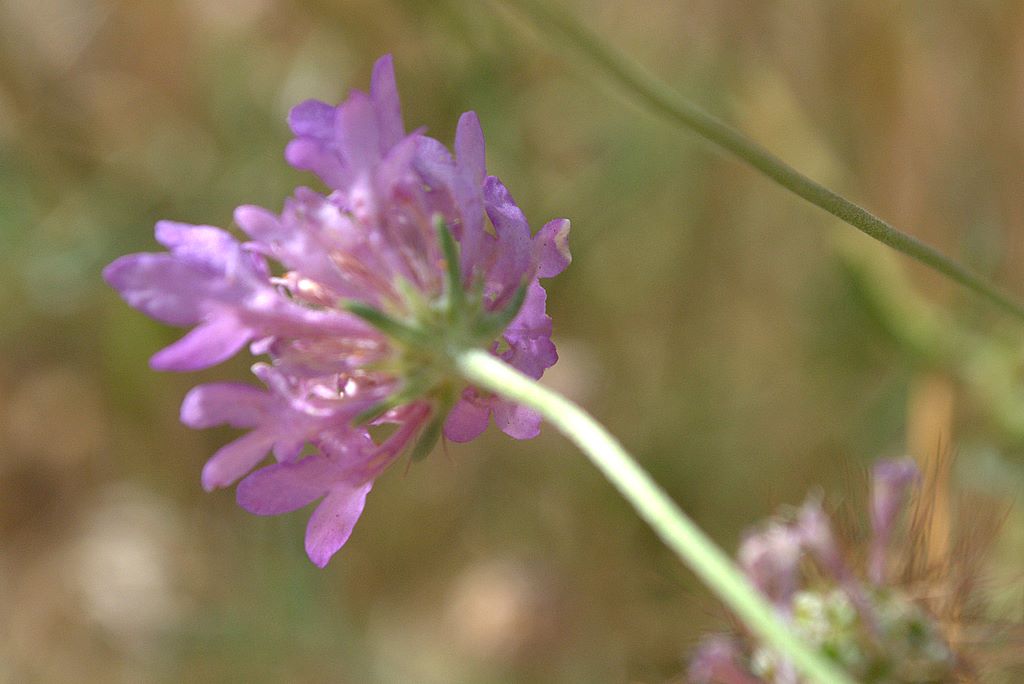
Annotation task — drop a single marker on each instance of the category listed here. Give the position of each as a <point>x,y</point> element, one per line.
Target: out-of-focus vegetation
<point>746,346</point>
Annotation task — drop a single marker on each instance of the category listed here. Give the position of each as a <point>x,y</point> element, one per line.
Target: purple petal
<point>208,278</point>
<point>211,251</point>
<point>331,524</point>
<point>514,240</point>
<point>259,223</point>
<point>816,536</point>
<point>467,188</point>
<point>812,524</point>
<point>294,238</point>
<point>451,193</point>
<point>891,483</point>
<point>365,465</point>
<point>159,285</point>
<point>312,118</point>
<point>357,133</point>
<point>551,248</point>
<point>397,166</point>
<point>311,154</point>
<point>518,422</point>
<point>717,662</point>
<point>529,335</point>
<point>210,247</point>
<point>467,420</point>
<point>206,345</point>
<point>384,93</point>
<point>434,162</point>
<point>771,558</point>
<point>235,459</point>
<point>469,148</point>
<point>288,447</point>
<point>225,403</point>
<point>347,447</point>
<point>285,487</point>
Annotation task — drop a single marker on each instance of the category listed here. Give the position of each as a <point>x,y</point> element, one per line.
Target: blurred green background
<point>744,345</point>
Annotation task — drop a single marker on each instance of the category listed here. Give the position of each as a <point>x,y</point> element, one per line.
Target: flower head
<point>875,631</point>
<point>414,253</point>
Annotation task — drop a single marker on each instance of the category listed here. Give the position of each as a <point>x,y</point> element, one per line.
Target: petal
<point>529,335</point>
<point>467,420</point>
<point>717,660</point>
<point>347,447</point>
<point>451,192</point>
<point>205,246</point>
<point>364,465</point>
<point>770,558</point>
<point>384,93</point>
<point>259,224</point>
<point>518,422</point>
<point>891,482</point>
<point>551,248</point>
<point>468,191</point>
<point>288,448</point>
<point>235,459</point>
<point>331,523</point>
<point>815,530</point>
<point>434,161</point>
<point>225,403</point>
<point>469,148</point>
<point>285,487</point>
<point>514,242</point>
<point>312,118</point>
<point>295,238</point>
<point>268,312</point>
<point>532,356</point>
<point>160,286</point>
<point>311,154</point>
<point>508,219</point>
<point>397,165</point>
<point>206,345</point>
<point>206,274</point>
<point>357,133</point>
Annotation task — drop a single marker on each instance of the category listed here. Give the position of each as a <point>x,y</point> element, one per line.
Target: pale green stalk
<point>652,503</point>
<point>650,91</point>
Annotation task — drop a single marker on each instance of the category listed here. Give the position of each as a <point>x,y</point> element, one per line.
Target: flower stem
<point>652,503</point>
<point>665,101</point>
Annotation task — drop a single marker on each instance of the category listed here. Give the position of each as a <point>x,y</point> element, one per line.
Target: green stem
<point>662,99</point>
<point>652,503</point>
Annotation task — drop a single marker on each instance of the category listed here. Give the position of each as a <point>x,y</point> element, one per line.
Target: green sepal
<point>410,391</point>
<point>453,273</point>
<point>490,325</point>
<point>413,299</point>
<point>374,412</point>
<point>386,324</point>
<point>428,438</point>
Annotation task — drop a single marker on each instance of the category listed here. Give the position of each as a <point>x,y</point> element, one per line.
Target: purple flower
<point>414,252</point>
<point>770,557</point>
<point>891,484</point>
<point>716,661</point>
<point>866,625</point>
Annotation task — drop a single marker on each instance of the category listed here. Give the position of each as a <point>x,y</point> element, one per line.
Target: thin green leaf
<point>387,325</point>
